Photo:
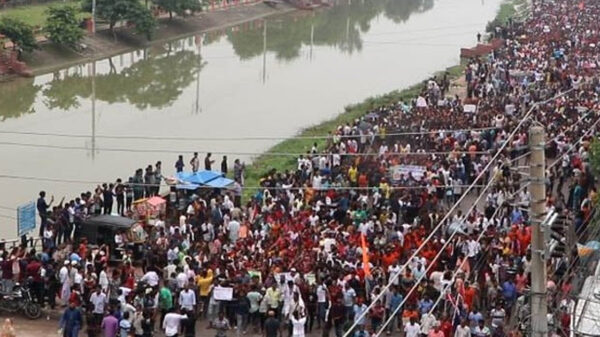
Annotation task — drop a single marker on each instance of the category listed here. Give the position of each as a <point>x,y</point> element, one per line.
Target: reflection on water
<point>151,82</point>
<point>17,97</point>
<point>158,78</point>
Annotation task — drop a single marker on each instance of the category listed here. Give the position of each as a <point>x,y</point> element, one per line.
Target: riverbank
<point>103,44</point>
<point>306,138</point>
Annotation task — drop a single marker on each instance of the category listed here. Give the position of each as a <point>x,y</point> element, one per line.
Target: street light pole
<point>93,16</point>
<point>537,171</point>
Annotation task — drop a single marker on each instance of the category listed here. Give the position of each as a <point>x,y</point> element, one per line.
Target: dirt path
<point>458,87</point>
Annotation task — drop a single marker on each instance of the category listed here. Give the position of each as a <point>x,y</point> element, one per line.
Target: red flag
<point>365,255</point>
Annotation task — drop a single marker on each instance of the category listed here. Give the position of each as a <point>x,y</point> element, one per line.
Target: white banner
<point>416,171</point>
<point>223,293</point>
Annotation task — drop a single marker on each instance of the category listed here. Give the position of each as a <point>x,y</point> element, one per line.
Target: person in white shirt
<point>103,280</point>
<point>171,323</point>
<point>463,330</point>
<point>412,328</point>
<point>98,300</point>
<point>160,222</point>
<point>321,302</point>
<point>298,323</point>
<point>394,273</point>
<point>182,279</point>
<point>473,247</point>
<point>187,299</point>
<point>234,230</point>
<point>78,278</point>
<point>63,276</point>
<point>151,278</point>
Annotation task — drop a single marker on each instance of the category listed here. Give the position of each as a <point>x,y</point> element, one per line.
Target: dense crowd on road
<point>363,236</point>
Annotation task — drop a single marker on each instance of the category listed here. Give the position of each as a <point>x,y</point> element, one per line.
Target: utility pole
<point>93,16</point>
<point>537,171</point>
<point>264,72</point>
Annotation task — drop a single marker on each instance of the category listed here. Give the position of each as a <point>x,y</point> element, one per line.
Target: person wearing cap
<point>65,282</point>
<point>71,321</point>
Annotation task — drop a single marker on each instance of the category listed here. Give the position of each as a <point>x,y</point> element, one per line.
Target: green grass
<point>35,15</point>
<point>508,9</point>
<point>265,163</point>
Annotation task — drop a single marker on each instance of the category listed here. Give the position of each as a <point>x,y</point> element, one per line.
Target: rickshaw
<point>101,229</point>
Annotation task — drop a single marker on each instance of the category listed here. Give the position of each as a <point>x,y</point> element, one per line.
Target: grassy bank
<point>35,15</point>
<point>509,9</point>
<point>265,163</point>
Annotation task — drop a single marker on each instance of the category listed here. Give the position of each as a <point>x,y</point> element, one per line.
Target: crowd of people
<point>364,236</point>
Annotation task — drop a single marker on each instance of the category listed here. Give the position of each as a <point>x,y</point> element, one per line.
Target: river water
<point>263,79</point>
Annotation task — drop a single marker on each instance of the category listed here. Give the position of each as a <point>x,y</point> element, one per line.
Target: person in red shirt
<point>33,271</point>
<point>470,293</point>
<point>362,180</point>
<point>83,248</point>
<point>446,326</point>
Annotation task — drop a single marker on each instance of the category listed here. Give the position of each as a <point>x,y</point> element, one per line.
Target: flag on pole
<point>365,255</point>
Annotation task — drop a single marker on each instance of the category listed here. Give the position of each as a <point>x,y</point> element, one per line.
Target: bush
<point>19,33</point>
<point>62,26</point>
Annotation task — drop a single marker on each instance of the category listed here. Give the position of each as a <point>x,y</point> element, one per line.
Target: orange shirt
<point>362,180</point>
<point>389,259</point>
<point>470,294</point>
<point>408,314</point>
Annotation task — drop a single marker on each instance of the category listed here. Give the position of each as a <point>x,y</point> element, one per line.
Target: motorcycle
<point>20,299</point>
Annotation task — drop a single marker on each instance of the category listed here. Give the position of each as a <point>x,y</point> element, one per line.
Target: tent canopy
<point>206,178</point>
<point>220,182</point>
<point>109,221</point>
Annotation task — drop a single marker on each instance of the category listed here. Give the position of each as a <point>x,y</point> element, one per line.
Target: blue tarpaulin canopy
<point>186,187</point>
<point>204,178</point>
<point>220,182</point>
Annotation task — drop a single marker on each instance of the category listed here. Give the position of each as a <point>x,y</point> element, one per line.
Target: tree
<point>62,26</point>
<point>142,18</point>
<point>19,33</point>
<point>178,6</point>
<point>133,11</point>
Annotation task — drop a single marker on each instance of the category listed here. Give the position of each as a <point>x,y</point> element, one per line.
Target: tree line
<point>64,27</point>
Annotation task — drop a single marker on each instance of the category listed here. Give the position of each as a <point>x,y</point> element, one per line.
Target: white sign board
<point>398,171</point>
<point>470,108</point>
<point>223,293</point>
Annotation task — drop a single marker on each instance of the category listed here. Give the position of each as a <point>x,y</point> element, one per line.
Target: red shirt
<point>33,270</point>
